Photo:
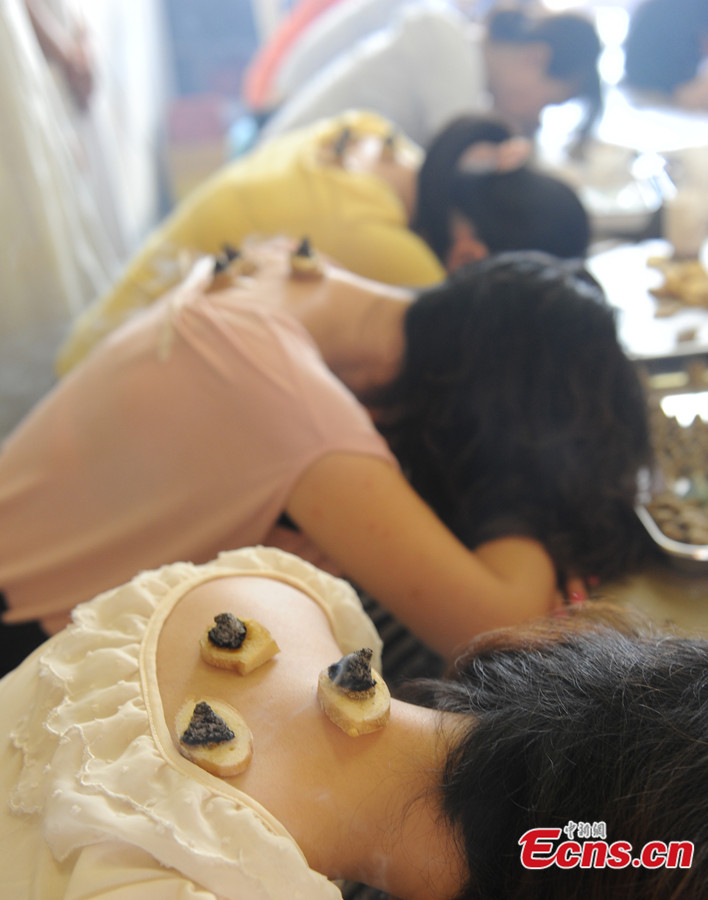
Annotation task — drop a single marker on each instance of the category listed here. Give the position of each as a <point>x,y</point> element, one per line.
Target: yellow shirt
<point>286,186</point>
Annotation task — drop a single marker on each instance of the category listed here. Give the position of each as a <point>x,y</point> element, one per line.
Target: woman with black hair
<point>593,729</point>
<point>502,476</point>
<point>572,724</point>
<point>477,193</point>
<point>364,196</point>
<point>537,61</point>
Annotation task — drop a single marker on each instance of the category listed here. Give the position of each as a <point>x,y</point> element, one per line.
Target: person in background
<point>665,52</point>
<point>365,196</point>
<point>277,72</point>
<point>467,455</point>
<point>431,65</point>
<point>262,69</point>
<point>592,718</point>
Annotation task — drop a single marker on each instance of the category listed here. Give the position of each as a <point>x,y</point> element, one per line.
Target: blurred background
<point>210,45</point>
<point>176,88</point>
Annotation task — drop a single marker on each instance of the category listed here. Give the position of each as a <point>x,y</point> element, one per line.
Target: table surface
<point>663,591</point>
<point>627,279</point>
<point>665,595</point>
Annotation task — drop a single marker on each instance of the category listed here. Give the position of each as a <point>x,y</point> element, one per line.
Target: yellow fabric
<point>286,186</point>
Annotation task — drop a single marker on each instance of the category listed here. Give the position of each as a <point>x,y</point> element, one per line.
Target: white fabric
<point>102,804</point>
<point>130,43</point>
<point>333,32</point>
<point>93,134</point>
<point>54,253</point>
<point>421,72</point>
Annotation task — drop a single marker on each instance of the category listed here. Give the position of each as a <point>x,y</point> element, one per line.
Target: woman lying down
<point>467,454</point>
<point>223,731</point>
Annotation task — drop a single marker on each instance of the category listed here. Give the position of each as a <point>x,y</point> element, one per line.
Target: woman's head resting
<point>594,718</point>
<point>516,411</point>
<point>478,194</point>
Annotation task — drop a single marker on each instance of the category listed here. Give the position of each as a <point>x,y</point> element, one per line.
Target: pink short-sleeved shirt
<point>183,435</point>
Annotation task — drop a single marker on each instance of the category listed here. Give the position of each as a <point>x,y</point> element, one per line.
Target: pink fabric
<point>261,71</point>
<point>182,436</point>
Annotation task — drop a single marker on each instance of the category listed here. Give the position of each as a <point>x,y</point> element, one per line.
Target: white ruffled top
<point>99,765</point>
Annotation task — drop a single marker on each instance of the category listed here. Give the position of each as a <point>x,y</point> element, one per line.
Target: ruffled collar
<point>99,762</point>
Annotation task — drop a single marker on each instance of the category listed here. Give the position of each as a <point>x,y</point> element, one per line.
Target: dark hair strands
<point>517,412</point>
<point>521,209</point>
<point>598,716</point>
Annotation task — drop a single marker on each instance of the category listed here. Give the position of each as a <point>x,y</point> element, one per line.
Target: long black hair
<point>517,412</point>
<point>522,209</point>
<point>596,718</point>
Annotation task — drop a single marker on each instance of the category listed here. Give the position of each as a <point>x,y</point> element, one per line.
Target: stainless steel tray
<point>682,377</point>
<point>691,558</point>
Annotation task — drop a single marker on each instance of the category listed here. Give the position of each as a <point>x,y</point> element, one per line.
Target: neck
<point>365,808</point>
<point>358,328</point>
<point>356,323</point>
<point>392,837</point>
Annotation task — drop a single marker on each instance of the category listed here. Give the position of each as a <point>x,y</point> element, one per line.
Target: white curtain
<point>57,252</point>
<point>130,49</point>
<point>54,254</point>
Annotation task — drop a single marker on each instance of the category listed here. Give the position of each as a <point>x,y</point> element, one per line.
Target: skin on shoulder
<point>299,622</point>
<point>363,514</point>
<point>359,808</point>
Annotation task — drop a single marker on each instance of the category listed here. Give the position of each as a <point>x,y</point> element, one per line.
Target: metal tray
<point>683,377</point>
<point>691,558</point>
